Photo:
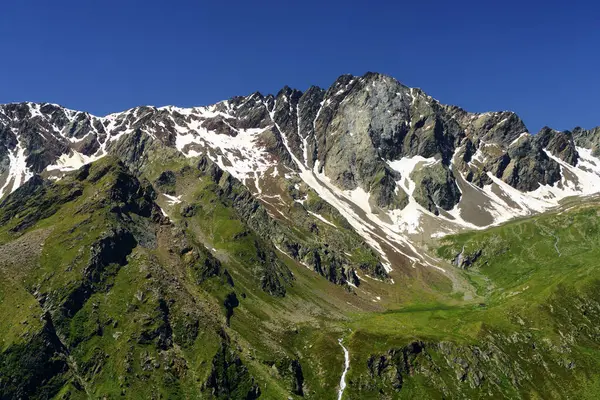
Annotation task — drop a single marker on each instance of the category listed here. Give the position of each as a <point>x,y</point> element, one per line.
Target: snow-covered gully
<point>346,367</point>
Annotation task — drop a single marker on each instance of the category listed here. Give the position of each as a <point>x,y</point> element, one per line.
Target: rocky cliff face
<point>392,160</point>
<point>588,139</point>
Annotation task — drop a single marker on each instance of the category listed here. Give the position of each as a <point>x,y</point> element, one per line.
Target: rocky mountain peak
<point>392,153</point>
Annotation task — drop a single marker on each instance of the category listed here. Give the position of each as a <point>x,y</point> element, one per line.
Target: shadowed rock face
<point>435,186</point>
<point>560,144</point>
<point>589,139</point>
<point>525,164</point>
<point>26,366</point>
<point>528,167</point>
<point>229,378</point>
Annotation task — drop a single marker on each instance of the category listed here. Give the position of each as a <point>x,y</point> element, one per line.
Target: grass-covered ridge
<point>137,306</point>
<point>532,332</point>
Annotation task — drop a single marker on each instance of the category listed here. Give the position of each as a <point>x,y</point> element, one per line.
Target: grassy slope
<point>424,313</point>
<point>113,339</point>
<point>534,303</point>
<point>529,298</point>
<point>269,329</point>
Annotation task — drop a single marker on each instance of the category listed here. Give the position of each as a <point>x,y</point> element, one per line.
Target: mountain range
<point>360,241</point>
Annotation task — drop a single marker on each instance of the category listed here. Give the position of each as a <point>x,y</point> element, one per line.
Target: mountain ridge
<point>412,163</point>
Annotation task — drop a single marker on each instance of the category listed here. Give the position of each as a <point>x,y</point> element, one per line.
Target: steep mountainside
<point>393,161</point>
<point>238,250</point>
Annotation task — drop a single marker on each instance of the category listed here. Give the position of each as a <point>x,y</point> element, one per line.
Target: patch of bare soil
<point>22,254</point>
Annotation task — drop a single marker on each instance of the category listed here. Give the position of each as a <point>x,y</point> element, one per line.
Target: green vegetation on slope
<point>102,296</point>
<point>533,333</point>
<point>111,299</point>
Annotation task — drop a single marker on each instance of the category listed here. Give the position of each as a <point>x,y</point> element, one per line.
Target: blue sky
<point>539,60</point>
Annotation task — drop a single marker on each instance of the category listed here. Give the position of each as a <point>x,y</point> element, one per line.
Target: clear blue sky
<point>539,60</point>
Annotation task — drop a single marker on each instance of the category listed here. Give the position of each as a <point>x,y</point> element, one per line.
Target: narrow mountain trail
<point>346,367</point>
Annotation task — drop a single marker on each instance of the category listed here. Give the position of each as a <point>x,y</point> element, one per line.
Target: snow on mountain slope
<point>18,173</point>
<point>398,165</point>
<point>71,161</point>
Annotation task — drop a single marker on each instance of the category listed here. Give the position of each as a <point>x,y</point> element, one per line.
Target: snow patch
<point>405,166</point>
<point>172,200</point>
<point>18,172</point>
<point>239,155</point>
<point>71,161</point>
<point>321,218</point>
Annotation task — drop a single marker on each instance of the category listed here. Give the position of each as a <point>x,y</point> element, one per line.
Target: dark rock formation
<point>229,377</point>
<point>35,368</point>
